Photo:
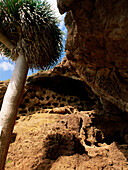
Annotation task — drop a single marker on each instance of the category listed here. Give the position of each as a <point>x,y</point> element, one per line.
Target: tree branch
<point>6,41</point>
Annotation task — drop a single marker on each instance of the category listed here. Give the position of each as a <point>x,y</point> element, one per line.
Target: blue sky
<point>7,66</point>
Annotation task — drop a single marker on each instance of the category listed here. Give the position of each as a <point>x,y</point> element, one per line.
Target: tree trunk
<point>10,106</point>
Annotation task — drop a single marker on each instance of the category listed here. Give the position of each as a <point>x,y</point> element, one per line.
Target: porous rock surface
<point>62,125</point>
<point>97,46</point>
<point>53,88</point>
<point>66,141</point>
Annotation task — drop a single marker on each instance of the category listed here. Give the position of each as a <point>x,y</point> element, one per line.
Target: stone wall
<point>52,89</point>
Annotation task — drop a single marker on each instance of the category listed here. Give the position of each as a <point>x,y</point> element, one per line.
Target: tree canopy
<point>32,27</point>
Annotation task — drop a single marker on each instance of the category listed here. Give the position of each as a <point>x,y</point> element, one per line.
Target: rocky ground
<point>64,141</point>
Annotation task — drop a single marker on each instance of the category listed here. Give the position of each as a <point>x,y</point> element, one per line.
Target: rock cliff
<point>75,116</point>
<point>97,47</point>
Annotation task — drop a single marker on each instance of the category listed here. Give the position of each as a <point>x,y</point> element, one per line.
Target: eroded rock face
<point>97,46</point>
<point>64,5</point>
<point>75,140</point>
<point>60,87</point>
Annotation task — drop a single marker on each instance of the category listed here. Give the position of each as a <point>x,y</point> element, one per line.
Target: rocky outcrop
<point>60,87</point>
<point>64,6</point>
<point>97,47</point>
<point>63,140</point>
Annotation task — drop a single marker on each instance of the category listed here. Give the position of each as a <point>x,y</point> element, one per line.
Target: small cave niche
<point>82,104</point>
<point>75,100</point>
<point>69,101</point>
<point>61,105</point>
<point>47,98</point>
<point>22,106</point>
<point>22,111</point>
<point>44,91</point>
<point>32,96</point>
<point>80,109</point>
<point>26,101</point>
<point>55,104</point>
<point>115,137</point>
<point>99,137</point>
<point>42,105</point>
<point>63,99</point>
<point>45,107</point>
<point>53,96</point>
<point>88,142</point>
<point>30,90</point>
<point>48,104</point>
<point>58,98</point>
<point>13,137</point>
<point>18,117</point>
<point>41,98</point>
<point>31,109</point>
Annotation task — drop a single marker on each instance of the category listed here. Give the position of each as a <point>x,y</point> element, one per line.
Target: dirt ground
<point>46,141</point>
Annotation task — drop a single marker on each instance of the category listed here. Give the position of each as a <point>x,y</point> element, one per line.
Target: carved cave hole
<point>63,99</point>
<point>47,98</point>
<point>18,117</point>
<point>33,96</point>
<point>53,96</point>
<point>31,109</point>
<point>44,92</point>
<point>49,104</point>
<point>22,106</point>
<point>99,137</point>
<point>57,145</point>
<point>30,90</point>
<point>69,101</point>
<point>75,100</point>
<point>23,111</point>
<point>82,104</point>
<point>61,105</point>
<point>45,107</point>
<point>115,137</point>
<point>13,137</point>
<point>55,104</point>
<point>58,98</point>
<point>41,98</point>
<point>26,101</point>
<point>80,109</point>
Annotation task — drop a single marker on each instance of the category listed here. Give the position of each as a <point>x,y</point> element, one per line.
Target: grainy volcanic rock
<point>97,46</point>
<point>76,115</point>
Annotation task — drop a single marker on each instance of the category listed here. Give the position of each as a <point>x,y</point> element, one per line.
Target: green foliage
<point>32,28</point>
<point>8,161</point>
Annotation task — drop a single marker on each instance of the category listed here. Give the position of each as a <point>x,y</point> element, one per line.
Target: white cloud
<point>3,57</point>
<point>6,66</point>
<point>54,7</point>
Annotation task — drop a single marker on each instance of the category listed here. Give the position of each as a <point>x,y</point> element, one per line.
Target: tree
<point>29,35</point>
